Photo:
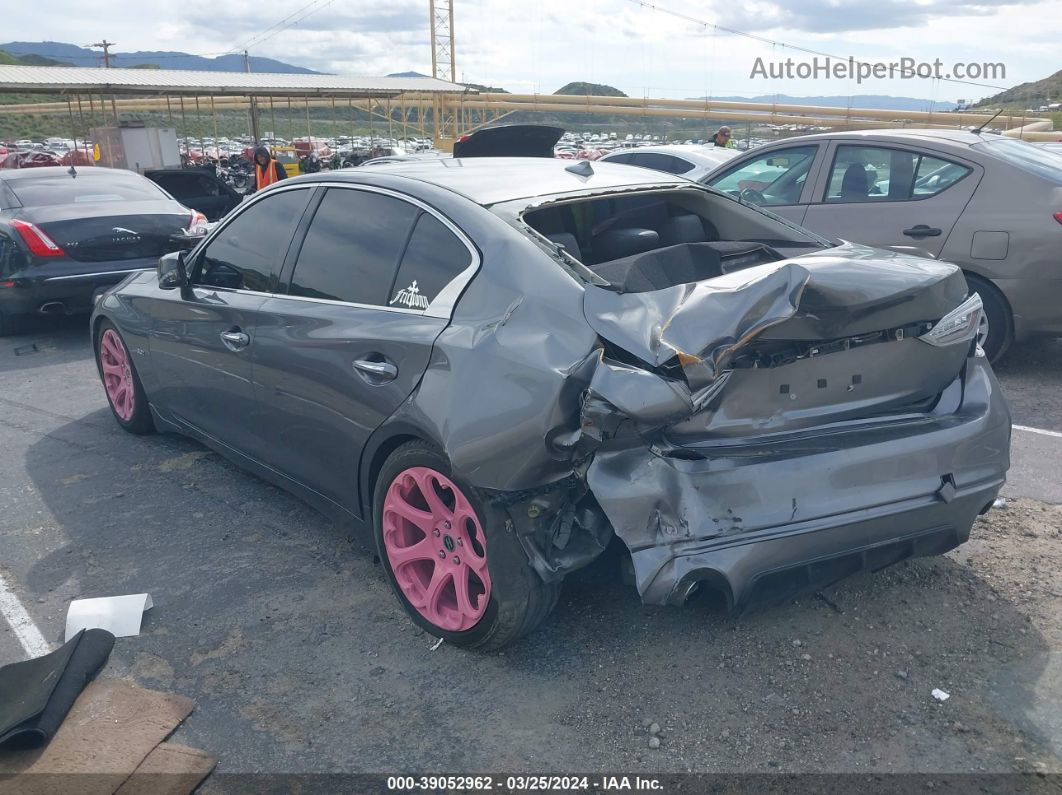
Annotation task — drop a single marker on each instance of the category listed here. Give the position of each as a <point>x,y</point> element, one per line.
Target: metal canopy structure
<point>78,80</point>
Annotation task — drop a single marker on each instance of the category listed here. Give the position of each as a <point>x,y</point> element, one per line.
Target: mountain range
<point>73,55</point>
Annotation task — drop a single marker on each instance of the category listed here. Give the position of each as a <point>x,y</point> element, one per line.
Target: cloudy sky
<point>538,46</point>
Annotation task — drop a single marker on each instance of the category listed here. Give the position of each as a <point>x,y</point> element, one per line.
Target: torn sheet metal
<point>119,615</point>
<point>701,324</point>
<point>821,296</point>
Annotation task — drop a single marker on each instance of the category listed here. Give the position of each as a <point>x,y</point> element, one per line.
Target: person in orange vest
<point>266,169</point>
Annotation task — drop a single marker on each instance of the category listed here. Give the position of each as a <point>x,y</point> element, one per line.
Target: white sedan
<point>692,162</point>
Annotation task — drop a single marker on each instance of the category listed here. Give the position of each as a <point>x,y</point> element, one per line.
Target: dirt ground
<point>300,660</point>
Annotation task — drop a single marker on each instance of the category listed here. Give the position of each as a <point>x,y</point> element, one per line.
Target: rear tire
<point>503,597</point>
<point>121,383</point>
<point>997,313</point>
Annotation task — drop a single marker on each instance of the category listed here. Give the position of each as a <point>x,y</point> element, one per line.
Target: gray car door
<point>901,197</point>
<point>778,179</point>
<point>202,340</point>
<point>370,289</point>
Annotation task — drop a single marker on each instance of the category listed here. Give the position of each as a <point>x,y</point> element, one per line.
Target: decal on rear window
<point>411,297</point>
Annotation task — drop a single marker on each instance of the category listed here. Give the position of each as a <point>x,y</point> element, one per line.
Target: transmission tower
<point>443,64</point>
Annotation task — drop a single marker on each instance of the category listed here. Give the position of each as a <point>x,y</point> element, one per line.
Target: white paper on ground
<point>119,615</point>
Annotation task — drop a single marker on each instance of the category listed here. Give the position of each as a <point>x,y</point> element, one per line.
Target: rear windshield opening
<point>652,240</point>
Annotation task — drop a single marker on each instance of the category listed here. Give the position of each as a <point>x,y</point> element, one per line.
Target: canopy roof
<point>79,80</point>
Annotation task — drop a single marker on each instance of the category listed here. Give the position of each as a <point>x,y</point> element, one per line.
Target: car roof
<point>956,137</point>
<point>491,180</point>
<point>690,151</point>
<point>14,174</point>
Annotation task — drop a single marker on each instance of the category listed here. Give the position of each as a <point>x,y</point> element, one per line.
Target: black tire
<point>1000,320</point>
<point>519,599</point>
<point>140,421</point>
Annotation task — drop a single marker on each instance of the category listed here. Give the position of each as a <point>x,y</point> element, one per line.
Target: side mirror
<point>173,273</point>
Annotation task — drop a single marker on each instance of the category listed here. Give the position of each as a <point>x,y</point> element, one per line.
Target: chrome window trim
<point>93,275</point>
<point>442,306</point>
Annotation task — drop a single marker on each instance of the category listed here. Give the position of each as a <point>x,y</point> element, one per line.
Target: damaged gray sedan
<point>496,367</point>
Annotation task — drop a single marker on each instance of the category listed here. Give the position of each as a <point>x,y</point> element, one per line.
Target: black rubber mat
<point>35,695</point>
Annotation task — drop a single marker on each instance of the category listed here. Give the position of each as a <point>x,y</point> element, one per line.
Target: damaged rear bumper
<point>760,521</point>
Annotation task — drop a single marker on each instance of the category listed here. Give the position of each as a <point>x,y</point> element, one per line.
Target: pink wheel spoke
<point>464,602</point>
<point>422,550</point>
<point>112,348</point>
<point>112,369</point>
<point>433,592</point>
<point>422,519</point>
<point>426,483</point>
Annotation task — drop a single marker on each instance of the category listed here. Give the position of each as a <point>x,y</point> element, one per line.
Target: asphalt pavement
<point>285,633</point>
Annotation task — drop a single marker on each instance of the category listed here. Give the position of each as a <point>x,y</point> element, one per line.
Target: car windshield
<point>54,189</point>
<point>1033,159</point>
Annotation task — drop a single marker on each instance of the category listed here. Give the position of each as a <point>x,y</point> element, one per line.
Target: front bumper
<point>763,519</point>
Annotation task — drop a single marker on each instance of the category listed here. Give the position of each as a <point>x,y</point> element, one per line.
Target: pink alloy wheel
<point>436,548</point>
<point>117,375</point>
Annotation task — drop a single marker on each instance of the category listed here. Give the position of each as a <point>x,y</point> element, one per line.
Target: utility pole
<point>106,46</point>
<point>253,102</point>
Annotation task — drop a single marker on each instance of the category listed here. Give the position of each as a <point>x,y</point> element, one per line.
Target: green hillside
<point>1027,95</point>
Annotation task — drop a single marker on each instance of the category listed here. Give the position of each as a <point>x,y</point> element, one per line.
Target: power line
<point>763,40</point>
<point>283,24</point>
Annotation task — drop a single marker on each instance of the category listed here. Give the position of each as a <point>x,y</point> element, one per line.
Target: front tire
<point>121,383</point>
<point>449,556</point>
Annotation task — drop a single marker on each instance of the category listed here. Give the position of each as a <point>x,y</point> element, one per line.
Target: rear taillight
<point>40,245</point>
<point>1058,217</point>
<point>197,226</point>
<point>959,325</point>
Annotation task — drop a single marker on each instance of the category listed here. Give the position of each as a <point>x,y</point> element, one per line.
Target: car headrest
<point>682,229</point>
<point>567,241</point>
<point>617,243</point>
<point>854,183</point>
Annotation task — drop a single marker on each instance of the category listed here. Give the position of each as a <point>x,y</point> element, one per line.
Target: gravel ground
<point>300,660</point>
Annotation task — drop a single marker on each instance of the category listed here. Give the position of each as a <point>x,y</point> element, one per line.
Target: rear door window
<point>433,258</point>
<point>247,253</point>
<point>877,174</point>
<point>352,247</point>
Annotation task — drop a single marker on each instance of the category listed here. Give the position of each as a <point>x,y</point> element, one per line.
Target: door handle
<point>376,372</point>
<point>921,230</point>
<point>235,340</point>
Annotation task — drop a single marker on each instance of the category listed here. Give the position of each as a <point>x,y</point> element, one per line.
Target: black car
<point>495,366</point>
<point>66,234</point>
<point>198,188</point>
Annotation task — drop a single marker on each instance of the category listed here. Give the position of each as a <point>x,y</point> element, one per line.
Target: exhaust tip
<point>53,308</point>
